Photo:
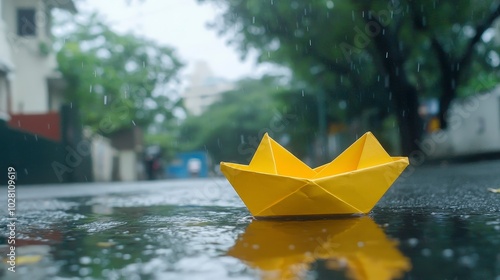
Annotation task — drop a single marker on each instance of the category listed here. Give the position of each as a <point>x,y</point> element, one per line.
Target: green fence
<point>38,160</point>
<point>30,155</point>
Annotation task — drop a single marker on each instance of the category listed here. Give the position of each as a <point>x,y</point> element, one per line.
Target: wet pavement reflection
<point>192,232</point>
<point>289,249</point>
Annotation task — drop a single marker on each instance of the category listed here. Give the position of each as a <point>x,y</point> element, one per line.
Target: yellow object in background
<point>287,249</point>
<point>276,183</point>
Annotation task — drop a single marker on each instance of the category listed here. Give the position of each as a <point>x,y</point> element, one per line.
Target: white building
<point>204,89</point>
<point>26,50</point>
<point>474,128</point>
<point>6,68</point>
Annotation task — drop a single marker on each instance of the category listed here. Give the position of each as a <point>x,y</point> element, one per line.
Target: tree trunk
<point>410,124</point>
<point>449,78</point>
<point>448,93</point>
<point>404,94</point>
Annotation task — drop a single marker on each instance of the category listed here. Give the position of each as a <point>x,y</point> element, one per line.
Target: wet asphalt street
<point>445,222</point>
<point>457,188</point>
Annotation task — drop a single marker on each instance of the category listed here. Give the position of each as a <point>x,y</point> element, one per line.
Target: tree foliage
<point>118,80</point>
<point>231,129</point>
<point>386,50</point>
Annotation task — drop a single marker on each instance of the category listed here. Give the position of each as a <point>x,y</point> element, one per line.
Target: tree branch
<point>480,29</point>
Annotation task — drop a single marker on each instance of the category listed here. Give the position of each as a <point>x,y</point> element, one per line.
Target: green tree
<point>400,50</point>
<point>231,129</point>
<point>117,80</point>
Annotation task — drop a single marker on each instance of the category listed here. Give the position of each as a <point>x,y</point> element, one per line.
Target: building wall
<point>32,67</point>
<point>102,159</point>
<point>204,89</point>
<point>474,128</point>
<point>3,97</point>
<point>475,124</point>
<point>128,165</point>
<point>5,68</point>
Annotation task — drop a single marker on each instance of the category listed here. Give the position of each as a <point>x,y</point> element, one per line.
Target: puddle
<point>147,236</point>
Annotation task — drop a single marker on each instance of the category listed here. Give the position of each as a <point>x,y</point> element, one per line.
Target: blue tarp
<point>179,167</point>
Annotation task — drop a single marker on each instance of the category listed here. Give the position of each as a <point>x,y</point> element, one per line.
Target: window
<point>26,24</point>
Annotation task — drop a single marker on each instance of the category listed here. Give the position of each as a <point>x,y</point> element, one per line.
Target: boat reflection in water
<point>290,249</point>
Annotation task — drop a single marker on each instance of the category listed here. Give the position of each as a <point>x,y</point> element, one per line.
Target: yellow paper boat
<point>288,249</point>
<point>276,183</point>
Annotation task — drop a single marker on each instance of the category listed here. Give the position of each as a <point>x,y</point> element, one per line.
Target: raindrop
<point>105,99</point>
<point>426,252</point>
<point>85,260</point>
<point>133,122</point>
<point>242,139</point>
<point>255,246</point>
<point>310,42</point>
<point>302,93</point>
<point>412,242</point>
<point>143,64</point>
<point>90,89</point>
<point>330,4</point>
<point>291,247</point>
<point>95,73</point>
<point>253,20</point>
<point>84,271</point>
<point>361,244</point>
<point>26,171</point>
<point>418,67</point>
<point>36,137</point>
<point>386,54</point>
<point>272,2</point>
<point>448,253</point>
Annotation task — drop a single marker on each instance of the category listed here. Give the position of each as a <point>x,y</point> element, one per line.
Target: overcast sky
<point>177,23</point>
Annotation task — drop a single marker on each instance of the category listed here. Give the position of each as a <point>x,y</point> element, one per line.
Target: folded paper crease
<point>276,183</point>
